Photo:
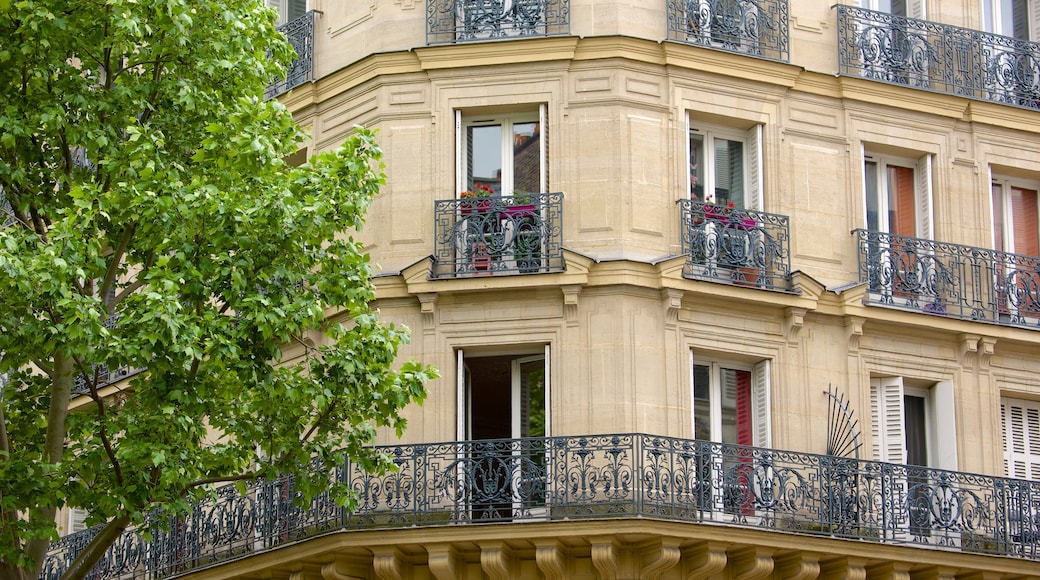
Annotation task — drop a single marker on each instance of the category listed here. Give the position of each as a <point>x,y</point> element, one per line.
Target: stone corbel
<point>794,320</point>
<point>549,557</point>
<point>799,566</point>
<point>333,571</point>
<point>605,557</point>
<point>987,346</point>
<point>667,556</point>
<point>704,560</point>
<point>845,569</point>
<point>672,304</point>
<point>854,331</point>
<point>752,563</point>
<point>428,308</point>
<point>968,347</point>
<point>388,563</point>
<point>441,561</point>
<point>496,560</point>
<point>570,303</point>
<point>891,571</point>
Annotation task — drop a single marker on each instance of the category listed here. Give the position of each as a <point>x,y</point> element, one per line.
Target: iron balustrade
<point>752,27</point>
<point>498,235</point>
<point>738,246</point>
<point>950,279</point>
<point>450,21</point>
<point>300,34</point>
<point>593,477</point>
<point>938,57</point>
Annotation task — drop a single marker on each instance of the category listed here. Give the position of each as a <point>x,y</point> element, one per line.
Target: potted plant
<point>523,204</point>
<point>477,198</point>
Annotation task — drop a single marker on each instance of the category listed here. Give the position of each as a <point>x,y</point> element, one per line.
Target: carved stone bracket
<point>667,556</point>
<point>704,560</point>
<point>987,346</point>
<point>891,571</point>
<point>496,560</point>
<point>854,331</point>
<point>752,563</point>
<point>428,308</point>
<point>799,566</point>
<point>795,319</point>
<point>570,303</point>
<point>335,570</point>
<point>845,569</point>
<point>605,558</point>
<point>549,557</point>
<point>672,304</point>
<point>441,560</point>
<point>388,564</point>
<point>968,347</point>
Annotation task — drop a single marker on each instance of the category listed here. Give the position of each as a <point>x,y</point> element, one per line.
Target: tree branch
<point>227,479</point>
<point>116,258</point>
<point>86,560</point>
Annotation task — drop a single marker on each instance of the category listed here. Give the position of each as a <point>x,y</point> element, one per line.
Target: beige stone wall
<point>621,322</point>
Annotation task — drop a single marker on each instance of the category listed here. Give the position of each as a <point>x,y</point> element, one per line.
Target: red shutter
<point>745,426</point>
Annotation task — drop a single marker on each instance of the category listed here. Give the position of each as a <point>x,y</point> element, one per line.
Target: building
<point>756,294</point>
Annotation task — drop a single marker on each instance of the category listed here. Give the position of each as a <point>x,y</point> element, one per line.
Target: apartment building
<point>718,289</point>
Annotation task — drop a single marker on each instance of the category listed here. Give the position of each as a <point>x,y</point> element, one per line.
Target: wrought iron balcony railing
<point>752,27</point>
<point>498,235</point>
<point>938,57</point>
<point>300,34</point>
<point>467,20</point>
<point>738,246</point>
<point>596,477</point>
<point>949,279</point>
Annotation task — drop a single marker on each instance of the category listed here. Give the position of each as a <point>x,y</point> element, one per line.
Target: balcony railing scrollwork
<point>596,477</point>
<point>950,279</point>
<point>300,34</point>
<point>468,20</point>
<point>498,235</point>
<point>752,27</point>
<point>938,57</point>
<point>737,246</point>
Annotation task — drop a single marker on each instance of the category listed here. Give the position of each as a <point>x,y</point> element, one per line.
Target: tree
<point>153,223</point>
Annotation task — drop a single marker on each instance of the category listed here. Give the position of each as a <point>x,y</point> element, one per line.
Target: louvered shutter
<point>77,520</point>
<point>462,393</point>
<point>460,169</point>
<point>279,7</point>
<point>886,411</point>
<point>543,160</point>
<point>1021,430</point>
<point>754,168</point>
<point>295,9</point>
<point>1024,223</point>
<point>944,418</point>
<point>914,9</point>
<point>745,425</point>
<point>1034,20</point>
<point>760,396</point>
<point>923,193</point>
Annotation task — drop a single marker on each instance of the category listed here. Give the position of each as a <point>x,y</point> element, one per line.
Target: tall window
<point>731,402</point>
<point>505,152</point>
<point>725,165</point>
<point>1016,216</point>
<point>288,10</point>
<point>1014,18</point>
<point>1020,427</point>
<point>898,195</point>
<point>909,8</point>
<point>913,422</point>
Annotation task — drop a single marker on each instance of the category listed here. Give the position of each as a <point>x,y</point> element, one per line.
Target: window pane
<point>1024,216</point>
<point>729,172</point>
<point>998,218</point>
<point>870,179</point>
<point>702,402</point>
<point>527,154</point>
<point>484,156</point>
<point>914,426</point>
<point>736,407</point>
<point>902,215</point>
<point>697,167</point>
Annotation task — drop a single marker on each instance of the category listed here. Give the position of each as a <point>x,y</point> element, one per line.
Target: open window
<point>725,164</point>
<point>288,10</point>
<point>1020,428</point>
<point>1016,238</point>
<point>504,422</point>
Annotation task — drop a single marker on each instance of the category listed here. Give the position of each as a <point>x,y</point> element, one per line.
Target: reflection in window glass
<point>485,157</point>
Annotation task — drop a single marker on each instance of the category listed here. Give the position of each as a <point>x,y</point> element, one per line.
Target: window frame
<point>751,164</point>
<point>1006,242</point>
<point>761,426</point>
<point>1028,459</point>
<point>887,416</point>
<point>464,121</point>
<point>922,178</point>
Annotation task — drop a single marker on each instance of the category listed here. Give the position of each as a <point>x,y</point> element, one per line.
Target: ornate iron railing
<point>595,477</point>
<point>950,279</point>
<point>300,34</point>
<point>738,246</point>
<point>467,20</point>
<point>753,27</point>
<point>938,57</point>
<point>498,235</point>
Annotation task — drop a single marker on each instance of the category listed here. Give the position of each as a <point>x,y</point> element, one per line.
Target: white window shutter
<point>77,520</point>
<point>689,160</point>
<point>923,193</point>
<point>543,147</point>
<point>1021,430</point>
<point>886,411</point>
<point>754,169</point>
<point>279,7</point>
<point>1034,20</point>
<point>944,425</point>
<point>462,408</point>
<point>760,399</point>
<point>460,167</point>
<point>915,9</point>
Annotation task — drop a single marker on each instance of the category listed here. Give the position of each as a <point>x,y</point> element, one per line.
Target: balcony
<point>949,279</point>
<point>756,28</point>
<point>300,34</point>
<point>735,246</point>
<point>489,236</point>
<point>449,21</point>
<point>597,477</point>
<point>938,57</point>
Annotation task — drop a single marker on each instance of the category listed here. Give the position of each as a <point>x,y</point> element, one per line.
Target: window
<point>909,8</point>
<point>288,10</point>
<point>725,165</point>
<point>505,152</point>
<point>731,402</point>
<point>898,194</point>
<point>1020,427</point>
<point>77,520</point>
<point>913,423</point>
<point>1014,18</point>
<point>1016,216</point>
